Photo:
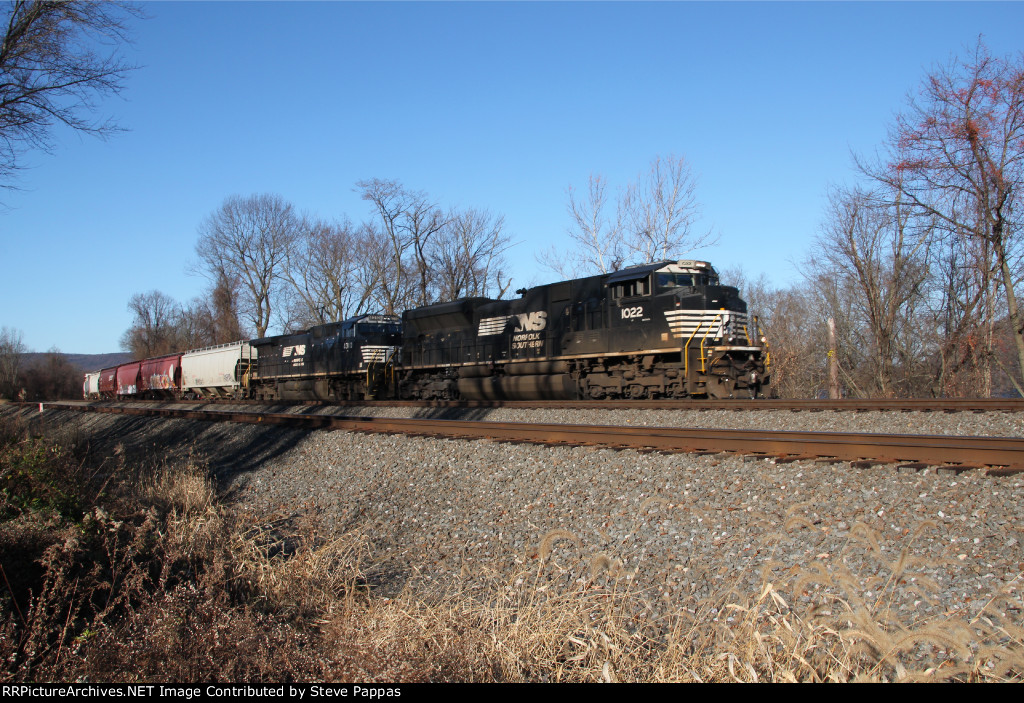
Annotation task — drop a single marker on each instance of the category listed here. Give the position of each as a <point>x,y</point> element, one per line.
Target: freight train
<point>662,330</point>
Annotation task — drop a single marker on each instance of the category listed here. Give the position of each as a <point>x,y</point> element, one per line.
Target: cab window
<point>632,289</point>
<point>668,281</point>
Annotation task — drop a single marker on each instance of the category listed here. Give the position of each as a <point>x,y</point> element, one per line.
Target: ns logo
<point>531,321</point>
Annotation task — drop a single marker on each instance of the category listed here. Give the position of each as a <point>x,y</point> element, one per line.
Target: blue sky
<point>491,105</point>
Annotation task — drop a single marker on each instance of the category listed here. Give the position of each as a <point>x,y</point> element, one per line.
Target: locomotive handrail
<point>369,370</point>
<point>767,350</point>
<point>686,354</point>
<point>703,360</point>
<point>387,366</point>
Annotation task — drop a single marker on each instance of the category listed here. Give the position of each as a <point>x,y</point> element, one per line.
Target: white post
<point>834,391</point>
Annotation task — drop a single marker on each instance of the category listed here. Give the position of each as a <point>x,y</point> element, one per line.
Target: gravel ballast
<point>675,529</point>
<point>978,424</point>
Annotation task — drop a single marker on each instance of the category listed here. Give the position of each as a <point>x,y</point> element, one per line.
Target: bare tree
<point>962,302</point>
<point>467,256</point>
<point>659,211</point>
<point>222,306</point>
<point>52,377</point>
<point>422,221</point>
<point>323,272</point>
<point>162,326</point>
<point>408,220</point>
<point>389,200</point>
<point>11,350</point>
<point>249,240</point>
<point>796,331</point>
<point>374,275</point>
<point>154,326</point>
<point>57,59</point>
<point>599,241</point>
<point>872,245</point>
<point>653,220</point>
<point>194,326</point>
<point>210,318</point>
<point>957,153</point>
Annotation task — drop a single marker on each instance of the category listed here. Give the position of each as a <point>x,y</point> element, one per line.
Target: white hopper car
<point>91,386</point>
<point>217,372</point>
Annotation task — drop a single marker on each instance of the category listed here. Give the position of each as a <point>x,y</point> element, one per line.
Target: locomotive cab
<point>375,335</point>
<point>373,342</point>
<point>677,332</point>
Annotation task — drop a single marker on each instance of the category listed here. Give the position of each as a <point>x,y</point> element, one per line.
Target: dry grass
<point>156,582</point>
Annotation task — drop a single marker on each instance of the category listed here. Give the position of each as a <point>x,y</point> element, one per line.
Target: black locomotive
<point>661,330</point>
<point>348,360</point>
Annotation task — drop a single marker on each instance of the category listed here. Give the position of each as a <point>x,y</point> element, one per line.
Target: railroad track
<point>947,405</point>
<point>996,454</point>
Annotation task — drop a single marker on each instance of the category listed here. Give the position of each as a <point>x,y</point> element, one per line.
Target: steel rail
<point>792,404</point>
<point>843,446</point>
<point>947,405</point>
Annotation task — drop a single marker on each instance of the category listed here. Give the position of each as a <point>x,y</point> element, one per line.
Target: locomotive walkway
<point>997,454</point>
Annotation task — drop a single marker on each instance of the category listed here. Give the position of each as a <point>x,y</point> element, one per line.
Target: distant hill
<point>86,362</point>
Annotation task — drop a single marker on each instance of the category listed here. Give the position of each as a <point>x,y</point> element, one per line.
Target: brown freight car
<point>108,382</point>
<point>160,377</point>
<point>128,379</point>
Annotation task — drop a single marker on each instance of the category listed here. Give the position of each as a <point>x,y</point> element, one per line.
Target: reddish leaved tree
<point>957,153</point>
